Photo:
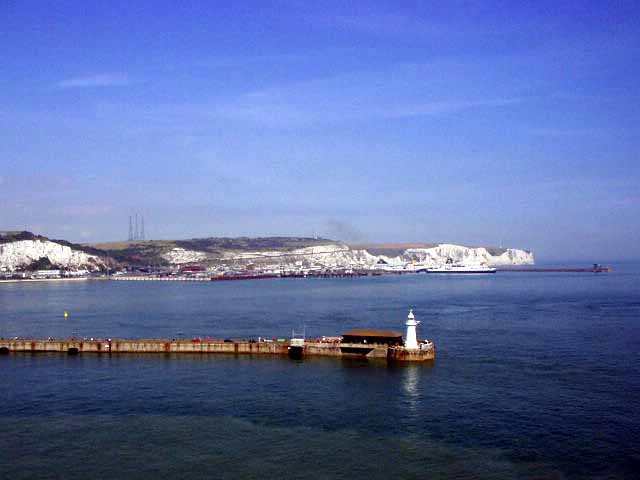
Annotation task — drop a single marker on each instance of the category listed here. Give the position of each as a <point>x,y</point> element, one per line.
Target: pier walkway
<point>313,347</point>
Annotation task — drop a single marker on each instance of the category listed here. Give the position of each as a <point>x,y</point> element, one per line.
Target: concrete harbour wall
<point>162,346</point>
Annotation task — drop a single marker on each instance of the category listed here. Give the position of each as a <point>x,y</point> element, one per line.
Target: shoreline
<point>30,280</point>
<point>155,278</point>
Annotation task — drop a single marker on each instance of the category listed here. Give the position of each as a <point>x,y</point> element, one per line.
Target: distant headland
<point>218,256</point>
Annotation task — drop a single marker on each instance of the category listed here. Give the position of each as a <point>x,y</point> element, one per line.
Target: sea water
<point>537,376</point>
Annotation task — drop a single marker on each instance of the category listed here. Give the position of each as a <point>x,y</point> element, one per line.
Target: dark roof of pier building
<point>371,336</point>
<point>369,332</point>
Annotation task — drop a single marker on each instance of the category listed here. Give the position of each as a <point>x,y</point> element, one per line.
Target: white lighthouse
<point>411,342</point>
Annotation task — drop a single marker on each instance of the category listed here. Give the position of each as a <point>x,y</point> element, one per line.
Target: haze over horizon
<point>511,123</point>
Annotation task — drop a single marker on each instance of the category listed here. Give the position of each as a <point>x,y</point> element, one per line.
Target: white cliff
<point>334,256</point>
<point>340,256</point>
<point>469,256</point>
<point>513,256</point>
<point>177,256</point>
<point>329,256</point>
<point>21,253</point>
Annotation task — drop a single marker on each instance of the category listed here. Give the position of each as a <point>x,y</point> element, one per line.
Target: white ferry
<point>451,267</point>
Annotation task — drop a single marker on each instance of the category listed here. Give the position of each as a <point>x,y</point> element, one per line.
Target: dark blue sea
<point>537,375</point>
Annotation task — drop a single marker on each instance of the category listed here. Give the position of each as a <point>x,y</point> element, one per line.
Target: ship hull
<point>461,272</point>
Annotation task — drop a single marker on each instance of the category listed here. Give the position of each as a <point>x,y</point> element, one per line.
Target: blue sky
<point>468,122</point>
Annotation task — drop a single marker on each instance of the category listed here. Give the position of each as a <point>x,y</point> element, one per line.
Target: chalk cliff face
<point>469,256</point>
<point>22,253</point>
<point>263,255</point>
<point>336,256</point>
<point>327,256</point>
<point>177,256</point>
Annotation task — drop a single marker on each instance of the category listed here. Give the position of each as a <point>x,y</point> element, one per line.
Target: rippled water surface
<point>536,376</point>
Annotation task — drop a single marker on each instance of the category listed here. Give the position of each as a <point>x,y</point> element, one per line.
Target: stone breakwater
<point>313,347</point>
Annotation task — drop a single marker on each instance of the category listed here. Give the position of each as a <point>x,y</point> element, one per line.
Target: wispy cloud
<point>99,80</point>
<point>566,132</point>
<point>82,210</point>
<point>285,112</point>
<point>251,60</point>
<point>389,24</point>
<point>630,201</point>
<point>393,93</point>
<point>442,107</point>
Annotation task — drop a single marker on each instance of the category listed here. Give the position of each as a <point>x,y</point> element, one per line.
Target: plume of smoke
<point>345,231</point>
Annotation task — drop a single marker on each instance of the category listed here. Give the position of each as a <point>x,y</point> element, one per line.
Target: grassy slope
<point>151,251</point>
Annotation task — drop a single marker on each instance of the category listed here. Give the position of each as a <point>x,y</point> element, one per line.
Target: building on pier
<point>369,336</point>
